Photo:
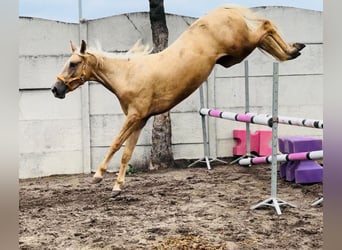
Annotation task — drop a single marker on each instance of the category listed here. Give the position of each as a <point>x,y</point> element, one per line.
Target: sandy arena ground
<point>180,208</point>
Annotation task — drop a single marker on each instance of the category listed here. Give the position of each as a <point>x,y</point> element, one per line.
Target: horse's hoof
<point>96,180</point>
<point>299,46</point>
<point>115,193</point>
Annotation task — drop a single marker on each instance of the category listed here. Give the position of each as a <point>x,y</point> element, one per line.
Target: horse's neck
<point>110,73</point>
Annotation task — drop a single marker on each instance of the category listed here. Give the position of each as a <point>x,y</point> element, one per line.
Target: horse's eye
<point>73,65</point>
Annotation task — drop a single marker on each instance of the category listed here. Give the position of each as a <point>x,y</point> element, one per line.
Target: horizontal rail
<point>313,155</point>
<point>262,119</point>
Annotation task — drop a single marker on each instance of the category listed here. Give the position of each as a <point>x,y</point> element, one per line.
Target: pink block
<point>240,138</point>
<point>259,142</point>
<point>265,139</point>
<point>255,143</point>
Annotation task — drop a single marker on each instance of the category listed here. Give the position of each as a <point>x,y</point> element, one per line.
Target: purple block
<point>282,169</point>
<point>295,144</point>
<point>281,144</point>
<point>290,170</point>
<point>304,144</point>
<point>308,172</point>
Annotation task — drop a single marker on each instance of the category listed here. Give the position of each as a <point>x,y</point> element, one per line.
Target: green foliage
<point>131,170</point>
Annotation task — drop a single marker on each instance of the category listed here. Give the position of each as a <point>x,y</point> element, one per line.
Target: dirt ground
<point>180,208</point>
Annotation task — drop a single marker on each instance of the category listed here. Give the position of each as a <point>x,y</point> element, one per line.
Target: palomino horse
<point>151,84</point>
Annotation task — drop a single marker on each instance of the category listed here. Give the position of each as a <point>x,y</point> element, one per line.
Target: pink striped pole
<point>262,119</point>
<point>313,155</point>
<point>249,118</point>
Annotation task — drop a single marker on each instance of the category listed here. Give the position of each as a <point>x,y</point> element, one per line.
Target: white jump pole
<point>262,119</point>
<point>313,155</point>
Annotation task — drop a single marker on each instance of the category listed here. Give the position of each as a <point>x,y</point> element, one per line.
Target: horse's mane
<point>138,49</point>
<point>252,19</point>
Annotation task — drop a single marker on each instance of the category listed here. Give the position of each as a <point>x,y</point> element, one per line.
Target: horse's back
<point>229,31</point>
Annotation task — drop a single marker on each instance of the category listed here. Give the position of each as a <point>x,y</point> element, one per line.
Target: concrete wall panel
<point>50,163</point>
<point>50,136</point>
<point>186,128</point>
<point>42,105</point>
<point>45,37</point>
<point>102,101</point>
<point>112,33</point>
<point>36,72</point>
<point>298,25</point>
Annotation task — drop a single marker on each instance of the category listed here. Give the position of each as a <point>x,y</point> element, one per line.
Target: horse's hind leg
<point>129,147</point>
<point>274,44</point>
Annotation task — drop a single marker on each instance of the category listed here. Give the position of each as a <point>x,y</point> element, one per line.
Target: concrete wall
<point>72,135</point>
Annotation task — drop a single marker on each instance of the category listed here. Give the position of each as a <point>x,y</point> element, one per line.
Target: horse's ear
<point>72,46</point>
<point>83,47</point>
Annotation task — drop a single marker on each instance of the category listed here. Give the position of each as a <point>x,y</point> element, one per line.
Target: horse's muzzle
<point>298,47</point>
<point>59,90</point>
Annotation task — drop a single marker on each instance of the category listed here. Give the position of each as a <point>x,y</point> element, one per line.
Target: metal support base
<point>243,157</point>
<point>319,201</point>
<point>206,160</point>
<point>273,202</point>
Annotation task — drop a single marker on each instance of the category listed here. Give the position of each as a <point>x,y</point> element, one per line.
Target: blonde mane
<point>252,19</point>
<point>137,50</point>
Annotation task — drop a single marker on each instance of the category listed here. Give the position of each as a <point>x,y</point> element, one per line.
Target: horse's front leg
<point>131,124</point>
<point>126,156</point>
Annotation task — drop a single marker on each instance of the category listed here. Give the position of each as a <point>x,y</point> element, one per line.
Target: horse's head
<point>74,73</point>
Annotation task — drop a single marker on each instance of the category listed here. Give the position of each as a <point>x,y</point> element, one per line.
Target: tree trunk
<point>161,152</point>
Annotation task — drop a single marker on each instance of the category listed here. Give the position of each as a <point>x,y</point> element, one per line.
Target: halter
<point>81,79</point>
